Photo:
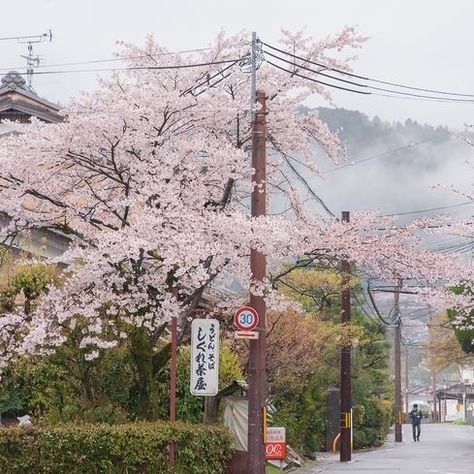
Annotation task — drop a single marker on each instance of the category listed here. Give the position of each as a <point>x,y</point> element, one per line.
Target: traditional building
<point>18,103</point>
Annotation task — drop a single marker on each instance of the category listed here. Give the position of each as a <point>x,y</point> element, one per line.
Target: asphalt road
<point>443,449</point>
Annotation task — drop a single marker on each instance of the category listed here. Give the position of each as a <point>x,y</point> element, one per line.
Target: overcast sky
<point>426,43</point>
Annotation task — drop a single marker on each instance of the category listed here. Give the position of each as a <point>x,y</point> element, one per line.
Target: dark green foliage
<point>302,410</point>
<point>301,405</point>
<point>465,337</point>
<point>190,408</point>
<point>372,420</point>
<point>371,384</point>
<point>130,448</point>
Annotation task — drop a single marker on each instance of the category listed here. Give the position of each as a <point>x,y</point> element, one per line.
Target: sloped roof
<point>15,96</point>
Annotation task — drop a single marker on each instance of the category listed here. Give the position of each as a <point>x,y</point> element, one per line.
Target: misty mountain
<point>364,137</point>
<point>396,167</point>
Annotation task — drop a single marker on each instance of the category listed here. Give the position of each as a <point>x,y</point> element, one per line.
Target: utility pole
<point>346,364</point>
<point>173,371</point>
<point>406,378</point>
<point>33,61</point>
<point>257,377</point>
<point>445,405</point>
<point>433,372</point>
<point>398,375</point>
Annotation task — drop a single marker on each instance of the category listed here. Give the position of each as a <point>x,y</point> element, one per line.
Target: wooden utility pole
<point>406,379</point>
<point>346,363</point>
<point>257,375</point>
<point>398,375</point>
<point>433,373</point>
<point>173,368</point>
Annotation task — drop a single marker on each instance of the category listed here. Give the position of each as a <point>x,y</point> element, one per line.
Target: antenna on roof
<point>32,61</point>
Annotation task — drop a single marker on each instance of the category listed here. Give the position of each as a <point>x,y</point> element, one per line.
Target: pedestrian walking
<point>415,417</point>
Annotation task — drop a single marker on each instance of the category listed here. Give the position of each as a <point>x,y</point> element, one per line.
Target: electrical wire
<point>366,78</point>
<point>365,92</point>
<point>388,152</point>
<point>293,73</point>
<point>210,78</point>
<point>361,306</point>
<point>42,35</point>
<point>431,209</point>
<point>98,61</point>
<point>138,68</point>
<point>365,86</point>
<point>377,312</point>
<point>346,81</point>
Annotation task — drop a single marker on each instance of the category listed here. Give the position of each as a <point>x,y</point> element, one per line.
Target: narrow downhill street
<point>443,449</point>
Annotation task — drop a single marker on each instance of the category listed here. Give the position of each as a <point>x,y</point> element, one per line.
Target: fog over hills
<point>398,168</point>
<point>399,165</point>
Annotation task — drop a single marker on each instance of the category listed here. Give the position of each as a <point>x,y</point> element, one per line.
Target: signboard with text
<point>204,378</point>
<point>275,444</point>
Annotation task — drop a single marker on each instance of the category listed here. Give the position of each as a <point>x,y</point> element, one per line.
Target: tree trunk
<point>142,353</point>
<point>211,410</point>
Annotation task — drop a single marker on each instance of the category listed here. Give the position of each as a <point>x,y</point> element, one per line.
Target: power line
<point>320,73</point>
<point>377,312</point>
<point>293,73</point>
<point>210,78</point>
<point>431,209</point>
<point>403,95</point>
<point>126,58</point>
<point>366,78</point>
<point>30,37</point>
<point>389,152</point>
<point>138,68</point>
<point>364,92</point>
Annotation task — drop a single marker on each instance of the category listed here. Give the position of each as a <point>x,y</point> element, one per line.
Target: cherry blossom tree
<point>149,177</point>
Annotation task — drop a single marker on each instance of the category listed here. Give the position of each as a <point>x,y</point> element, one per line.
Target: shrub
<point>114,449</point>
<point>464,335</point>
<point>190,407</point>
<point>372,421</point>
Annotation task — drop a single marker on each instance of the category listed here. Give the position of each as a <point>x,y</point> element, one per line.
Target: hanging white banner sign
<point>204,379</point>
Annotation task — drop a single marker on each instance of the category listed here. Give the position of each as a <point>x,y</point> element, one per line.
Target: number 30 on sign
<point>246,318</point>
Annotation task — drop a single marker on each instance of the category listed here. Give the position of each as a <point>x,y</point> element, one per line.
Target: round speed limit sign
<point>246,318</point>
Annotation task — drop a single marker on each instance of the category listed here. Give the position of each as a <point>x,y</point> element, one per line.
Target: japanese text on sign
<point>204,357</point>
<point>275,446</point>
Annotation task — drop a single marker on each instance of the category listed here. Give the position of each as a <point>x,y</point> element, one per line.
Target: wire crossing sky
<point>427,44</point>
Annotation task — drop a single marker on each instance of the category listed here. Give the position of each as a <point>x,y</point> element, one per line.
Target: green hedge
<point>372,420</point>
<point>99,448</point>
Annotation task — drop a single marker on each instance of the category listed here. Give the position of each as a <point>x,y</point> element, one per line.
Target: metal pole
<point>174,349</point>
<point>346,375</point>
<point>398,377</point>
<point>257,355</point>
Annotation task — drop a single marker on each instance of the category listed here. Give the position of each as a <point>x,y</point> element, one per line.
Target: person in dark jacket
<point>415,417</point>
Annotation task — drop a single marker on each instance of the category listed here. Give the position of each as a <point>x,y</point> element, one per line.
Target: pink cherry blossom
<point>149,176</point>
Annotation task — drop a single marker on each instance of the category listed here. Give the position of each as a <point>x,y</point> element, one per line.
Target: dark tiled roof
<point>16,99</point>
